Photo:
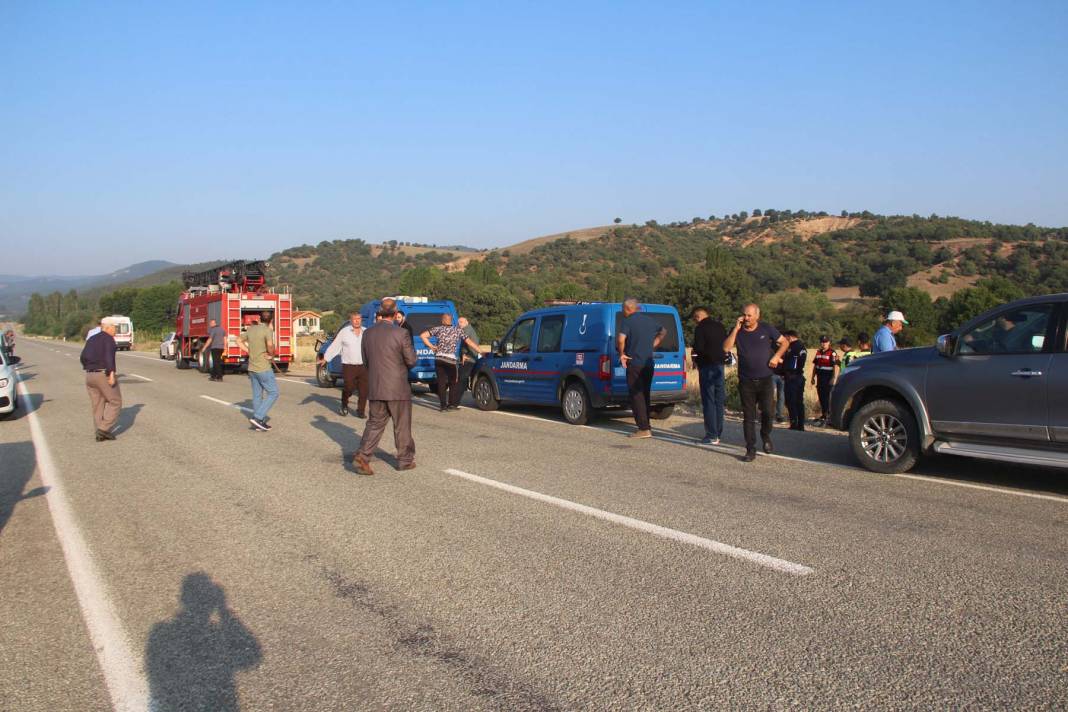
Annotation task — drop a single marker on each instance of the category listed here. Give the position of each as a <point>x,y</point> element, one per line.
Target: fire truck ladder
<point>240,276</point>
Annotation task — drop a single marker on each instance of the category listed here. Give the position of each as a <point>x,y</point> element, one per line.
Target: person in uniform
<point>825,365</point>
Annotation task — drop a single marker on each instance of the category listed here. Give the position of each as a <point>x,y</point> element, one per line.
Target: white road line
<point>293,380</point>
<point>781,565</point>
<point>986,488</point>
<point>222,402</point>
<point>122,674</point>
<point>143,378</point>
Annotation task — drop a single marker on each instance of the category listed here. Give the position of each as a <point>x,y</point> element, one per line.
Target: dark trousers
<point>713,398</point>
<point>780,394</point>
<point>640,386</point>
<point>465,376</point>
<point>795,399</point>
<point>380,413</point>
<point>824,384</point>
<point>355,379</point>
<point>449,388</point>
<point>217,364</point>
<point>758,394</point>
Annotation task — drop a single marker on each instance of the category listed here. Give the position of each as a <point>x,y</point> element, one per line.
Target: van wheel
<point>575,404</point>
<point>661,412</point>
<point>483,394</point>
<point>323,377</point>
<point>884,437</point>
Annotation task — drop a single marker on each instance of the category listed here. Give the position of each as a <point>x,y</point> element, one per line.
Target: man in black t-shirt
<point>708,358</point>
<point>760,351</point>
<point>638,338</point>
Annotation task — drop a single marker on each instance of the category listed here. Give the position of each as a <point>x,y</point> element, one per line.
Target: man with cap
<point>793,366</point>
<point>825,366</point>
<point>885,338</point>
<point>847,350</point>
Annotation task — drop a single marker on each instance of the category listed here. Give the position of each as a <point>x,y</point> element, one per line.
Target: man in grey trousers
<point>101,381</point>
<point>388,353</point>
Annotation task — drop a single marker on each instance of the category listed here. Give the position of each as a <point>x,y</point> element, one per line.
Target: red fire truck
<point>234,295</point>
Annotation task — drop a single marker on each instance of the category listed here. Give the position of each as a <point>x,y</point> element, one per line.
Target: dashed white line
<point>227,403</point>
<point>126,685</point>
<point>135,375</point>
<point>718,547</point>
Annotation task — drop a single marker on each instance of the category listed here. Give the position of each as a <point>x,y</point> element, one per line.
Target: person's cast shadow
<point>17,463</point>
<point>192,658</point>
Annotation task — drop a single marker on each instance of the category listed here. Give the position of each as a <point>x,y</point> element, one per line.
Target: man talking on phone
<point>760,351</point>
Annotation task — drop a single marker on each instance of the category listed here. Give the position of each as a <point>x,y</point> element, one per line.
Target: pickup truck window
<point>1022,330</point>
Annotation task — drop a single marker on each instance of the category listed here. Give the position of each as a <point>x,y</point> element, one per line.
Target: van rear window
<point>423,321</point>
<point>671,338</point>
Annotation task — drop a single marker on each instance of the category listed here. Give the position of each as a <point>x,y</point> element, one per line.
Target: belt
<point>96,370</point>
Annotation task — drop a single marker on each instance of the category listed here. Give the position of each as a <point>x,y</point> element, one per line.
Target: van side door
<point>546,360</point>
<point>512,368</point>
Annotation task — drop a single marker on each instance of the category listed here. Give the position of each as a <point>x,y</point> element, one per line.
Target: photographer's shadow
<point>192,659</point>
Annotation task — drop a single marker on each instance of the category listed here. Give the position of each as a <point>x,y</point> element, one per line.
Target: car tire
<point>661,412</point>
<point>884,437</point>
<point>323,377</point>
<point>483,394</point>
<point>575,404</point>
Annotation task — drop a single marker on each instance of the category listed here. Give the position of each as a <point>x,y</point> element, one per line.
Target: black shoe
<point>259,424</point>
<point>102,435</point>
<point>360,415</point>
<point>768,449</point>
<point>750,455</point>
<point>779,419</point>
<point>443,408</point>
<point>342,411</point>
<point>454,407</point>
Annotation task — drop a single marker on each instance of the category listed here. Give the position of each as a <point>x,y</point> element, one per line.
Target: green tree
<point>154,307</point>
<point>918,308</point>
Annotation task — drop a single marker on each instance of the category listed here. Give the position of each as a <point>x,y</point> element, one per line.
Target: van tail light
<point>604,368</point>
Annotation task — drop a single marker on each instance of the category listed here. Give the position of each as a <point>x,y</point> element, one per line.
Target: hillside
<point>15,291</point>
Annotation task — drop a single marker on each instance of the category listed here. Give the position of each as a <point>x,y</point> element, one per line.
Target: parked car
<point>566,356</point>
<point>9,400</point>
<point>992,389</point>
<point>420,313</point>
<point>168,348</point>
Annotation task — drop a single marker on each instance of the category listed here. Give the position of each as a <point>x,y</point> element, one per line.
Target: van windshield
<point>424,321</point>
<point>670,342</point>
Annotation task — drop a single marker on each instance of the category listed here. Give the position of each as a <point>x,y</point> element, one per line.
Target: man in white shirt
<point>349,343</point>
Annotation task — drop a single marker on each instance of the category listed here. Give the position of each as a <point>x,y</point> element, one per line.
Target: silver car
<point>168,347</point>
<point>992,389</point>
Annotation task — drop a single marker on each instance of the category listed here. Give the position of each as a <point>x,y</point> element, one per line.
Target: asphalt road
<point>525,565</point>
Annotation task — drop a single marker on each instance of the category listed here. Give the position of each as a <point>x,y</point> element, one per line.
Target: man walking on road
<point>388,353</point>
<point>638,338</point>
<point>349,343</point>
<point>760,351</point>
<point>708,359</point>
<point>217,345</point>
<point>98,360</point>
<point>886,336</point>
<point>258,341</point>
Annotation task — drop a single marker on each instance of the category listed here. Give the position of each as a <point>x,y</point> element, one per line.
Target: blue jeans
<point>713,398</point>
<point>264,392</point>
<point>780,394</point>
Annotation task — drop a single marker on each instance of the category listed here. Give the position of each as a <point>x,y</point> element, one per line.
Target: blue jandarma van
<point>565,355</point>
<point>422,314</point>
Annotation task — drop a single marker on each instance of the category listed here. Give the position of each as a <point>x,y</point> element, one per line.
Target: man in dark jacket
<point>793,365</point>
<point>388,353</point>
<point>708,359</point>
<point>98,360</point>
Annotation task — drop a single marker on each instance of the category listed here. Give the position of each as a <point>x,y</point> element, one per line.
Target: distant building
<point>306,322</point>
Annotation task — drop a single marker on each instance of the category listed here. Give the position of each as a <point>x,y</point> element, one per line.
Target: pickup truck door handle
<point>1026,373</point>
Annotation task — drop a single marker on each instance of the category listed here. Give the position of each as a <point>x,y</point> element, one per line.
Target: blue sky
<point>189,132</point>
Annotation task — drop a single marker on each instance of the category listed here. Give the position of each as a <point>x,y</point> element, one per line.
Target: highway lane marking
<point>143,378</point>
<point>222,402</point>
<point>126,684</point>
<point>754,557</point>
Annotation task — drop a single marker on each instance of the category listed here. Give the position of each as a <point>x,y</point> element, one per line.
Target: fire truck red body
<point>234,295</point>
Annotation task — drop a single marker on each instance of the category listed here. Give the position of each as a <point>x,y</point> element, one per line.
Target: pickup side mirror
<point>946,345</point>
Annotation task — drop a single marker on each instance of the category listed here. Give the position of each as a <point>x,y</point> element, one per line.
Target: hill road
<point>195,563</point>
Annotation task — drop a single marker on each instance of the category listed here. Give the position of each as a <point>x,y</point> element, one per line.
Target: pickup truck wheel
<point>884,437</point>
<point>323,377</point>
<point>575,404</point>
<point>661,412</point>
<point>483,394</point>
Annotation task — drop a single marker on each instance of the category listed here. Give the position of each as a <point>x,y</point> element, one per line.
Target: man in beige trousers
<point>388,353</point>
<point>98,360</point>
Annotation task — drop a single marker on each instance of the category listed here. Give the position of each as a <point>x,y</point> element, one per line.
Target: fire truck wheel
<point>203,361</point>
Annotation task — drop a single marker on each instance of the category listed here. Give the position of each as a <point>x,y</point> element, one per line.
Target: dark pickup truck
<point>995,389</point>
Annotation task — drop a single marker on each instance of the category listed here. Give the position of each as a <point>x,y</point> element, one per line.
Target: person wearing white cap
<point>884,338</point>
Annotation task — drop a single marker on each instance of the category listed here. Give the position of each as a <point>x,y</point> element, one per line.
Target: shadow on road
<point>18,461</point>
<point>346,438</point>
<point>328,402</point>
<point>27,404</point>
<point>192,658</point>
<point>127,417</point>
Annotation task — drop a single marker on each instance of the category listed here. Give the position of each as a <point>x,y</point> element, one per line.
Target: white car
<point>168,347</point>
<point>8,398</point>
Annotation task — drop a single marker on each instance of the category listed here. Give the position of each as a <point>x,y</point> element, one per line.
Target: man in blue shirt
<point>98,361</point>
<point>638,337</point>
<point>885,337</point>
